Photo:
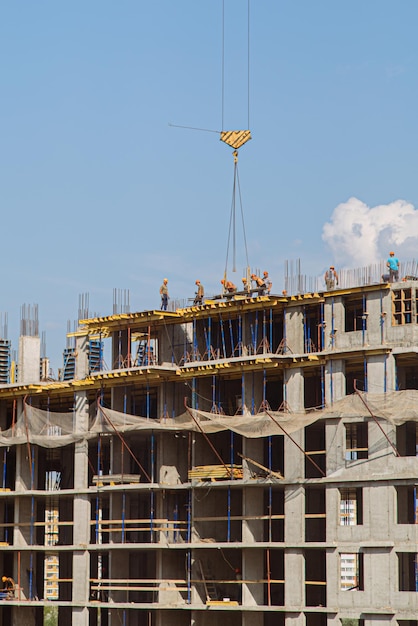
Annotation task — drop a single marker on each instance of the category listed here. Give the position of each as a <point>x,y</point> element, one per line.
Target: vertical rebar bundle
<point>121,301</point>
<point>29,321</point>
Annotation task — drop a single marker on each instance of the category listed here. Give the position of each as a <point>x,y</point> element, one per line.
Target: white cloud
<point>359,235</point>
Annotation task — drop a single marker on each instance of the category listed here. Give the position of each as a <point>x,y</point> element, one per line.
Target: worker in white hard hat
<point>267,281</point>
<point>331,278</point>
<point>164,295</point>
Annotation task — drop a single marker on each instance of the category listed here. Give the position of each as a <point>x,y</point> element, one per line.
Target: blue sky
<point>98,191</point>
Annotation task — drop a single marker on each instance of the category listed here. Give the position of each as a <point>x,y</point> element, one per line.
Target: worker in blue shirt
<point>393,265</point>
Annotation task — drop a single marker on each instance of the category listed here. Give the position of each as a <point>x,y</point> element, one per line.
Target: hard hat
<point>198,282</point>
<point>331,267</point>
<point>222,281</point>
<point>4,578</point>
<point>265,273</point>
<point>391,253</point>
<point>165,280</point>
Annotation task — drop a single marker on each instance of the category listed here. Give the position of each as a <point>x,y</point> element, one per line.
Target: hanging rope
<point>232,220</point>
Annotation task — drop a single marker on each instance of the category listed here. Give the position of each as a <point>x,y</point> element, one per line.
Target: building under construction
<point>251,460</point>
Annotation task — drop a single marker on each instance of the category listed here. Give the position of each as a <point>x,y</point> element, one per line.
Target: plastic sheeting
<point>51,430</point>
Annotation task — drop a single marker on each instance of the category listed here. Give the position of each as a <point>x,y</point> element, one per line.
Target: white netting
<point>51,430</point>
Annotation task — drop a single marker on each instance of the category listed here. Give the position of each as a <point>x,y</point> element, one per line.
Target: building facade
<point>198,476</point>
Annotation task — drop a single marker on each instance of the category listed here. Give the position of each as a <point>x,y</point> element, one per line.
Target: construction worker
<point>331,278</point>
<point>245,285</point>
<point>164,295</point>
<point>199,293</point>
<point>393,266</point>
<point>259,282</point>
<point>228,286</point>
<point>8,586</point>
<point>267,281</point>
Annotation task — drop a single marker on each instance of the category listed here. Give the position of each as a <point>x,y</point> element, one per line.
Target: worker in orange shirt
<point>228,286</point>
<point>259,282</point>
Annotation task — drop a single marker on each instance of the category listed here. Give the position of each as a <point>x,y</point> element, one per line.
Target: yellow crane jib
<point>235,138</point>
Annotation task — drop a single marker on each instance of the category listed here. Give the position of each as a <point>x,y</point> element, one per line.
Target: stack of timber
<point>215,472</point>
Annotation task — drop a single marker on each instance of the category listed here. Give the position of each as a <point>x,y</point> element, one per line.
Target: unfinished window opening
<point>218,515</point>
<point>313,388</point>
<point>355,314</point>
<point>175,508</point>
<point>407,566</point>
<point>274,510</point>
<point>351,571</point>
<point>315,457</point>
<point>144,404</point>
<point>273,456</point>
<point>220,574</point>
<point>403,306</point>
<point>225,338</point>
<point>355,376</point>
<point>406,439</point>
<point>351,621</point>
<point>315,517</point>
<point>313,329</point>
<point>7,513</point>
<point>406,504</point>
<point>407,622</point>
<point>138,525</point>
<point>316,619</point>
<point>315,578</point>
<point>274,393</point>
<point>229,399</point>
<point>351,506</point>
<point>99,521</point>
<point>278,344</point>
<point>274,575</point>
<point>356,441</point>
<point>275,619</point>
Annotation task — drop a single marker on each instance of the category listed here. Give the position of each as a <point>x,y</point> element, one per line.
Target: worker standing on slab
<point>164,295</point>
<point>393,265</point>
<point>245,285</point>
<point>331,278</point>
<point>267,282</point>
<point>228,287</point>
<point>199,293</point>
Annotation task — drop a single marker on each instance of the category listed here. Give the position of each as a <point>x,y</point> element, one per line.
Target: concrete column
<point>253,569</point>
<point>334,317</point>
<point>294,460</point>
<point>334,380</point>
<point>376,373</point>
<point>23,536</point>
<point>294,567</point>
<point>29,364</point>
<point>294,329</point>
<point>81,517</point>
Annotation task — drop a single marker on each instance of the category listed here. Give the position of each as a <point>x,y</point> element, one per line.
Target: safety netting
<point>51,429</point>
